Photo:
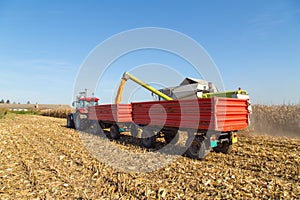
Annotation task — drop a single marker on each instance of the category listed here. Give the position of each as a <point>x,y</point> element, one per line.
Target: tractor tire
<point>223,147</point>
<point>70,121</point>
<point>96,128</point>
<point>148,139</point>
<point>114,132</point>
<point>80,124</point>
<point>197,148</point>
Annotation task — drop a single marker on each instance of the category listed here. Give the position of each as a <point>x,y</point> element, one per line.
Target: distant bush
<point>26,112</point>
<point>3,112</point>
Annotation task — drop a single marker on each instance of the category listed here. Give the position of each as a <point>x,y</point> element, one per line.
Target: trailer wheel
<point>148,138</point>
<point>114,132</point>
<point>134,130</point>
<point>223,147</point>
<point>70,121</point>
<point>197,148</point>
<point>171,136</point>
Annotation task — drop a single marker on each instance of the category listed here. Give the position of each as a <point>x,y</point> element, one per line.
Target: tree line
<point>9,102</point>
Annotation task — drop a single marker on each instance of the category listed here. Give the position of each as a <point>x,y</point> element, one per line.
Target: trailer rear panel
<point>231,114</point>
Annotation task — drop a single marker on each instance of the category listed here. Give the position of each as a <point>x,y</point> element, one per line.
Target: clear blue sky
<point>255,44</point>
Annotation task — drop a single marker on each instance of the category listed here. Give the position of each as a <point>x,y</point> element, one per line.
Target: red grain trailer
<point>210,123</point>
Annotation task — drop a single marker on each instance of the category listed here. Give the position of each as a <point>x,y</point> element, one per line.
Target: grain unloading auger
<point>127,76</point>
<point>189,88</point>
<point>210,119</point>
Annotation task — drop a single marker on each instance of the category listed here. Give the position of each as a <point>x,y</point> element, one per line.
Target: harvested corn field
<point>41,158</point>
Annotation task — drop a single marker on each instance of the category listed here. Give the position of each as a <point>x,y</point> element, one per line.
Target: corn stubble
<point>40,158</point>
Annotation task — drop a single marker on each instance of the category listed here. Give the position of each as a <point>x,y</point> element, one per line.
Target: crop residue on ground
<point>41,158</point>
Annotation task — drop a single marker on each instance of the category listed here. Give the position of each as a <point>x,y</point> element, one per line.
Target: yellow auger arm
<point>127,76</point>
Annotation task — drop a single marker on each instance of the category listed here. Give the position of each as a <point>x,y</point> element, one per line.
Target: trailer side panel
<point>220,114</point>
<point>111,113</point>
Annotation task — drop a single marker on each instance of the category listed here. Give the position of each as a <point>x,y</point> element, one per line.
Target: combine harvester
<point>211,119</point>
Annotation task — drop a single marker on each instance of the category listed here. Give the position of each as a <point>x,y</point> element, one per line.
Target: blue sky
<point>255,44</point>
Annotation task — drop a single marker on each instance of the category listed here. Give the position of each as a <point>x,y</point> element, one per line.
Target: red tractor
<point>79,119</point>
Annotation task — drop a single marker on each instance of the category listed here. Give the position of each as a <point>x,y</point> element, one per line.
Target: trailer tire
<point>224,147</point>
<point>114,132</point>
<point>197,148</point>
<point>134,130</point>
<point>70,121</point>
<point>148,138</point>
<point>171,137</point>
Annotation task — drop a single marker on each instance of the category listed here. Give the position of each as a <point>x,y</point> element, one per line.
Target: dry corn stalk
<point>59,113</point>
<point>276,119</point>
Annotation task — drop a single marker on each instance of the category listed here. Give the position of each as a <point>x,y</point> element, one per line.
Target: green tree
<point>8,101</point>
<point>2,101</point>
<point>28,102</point>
